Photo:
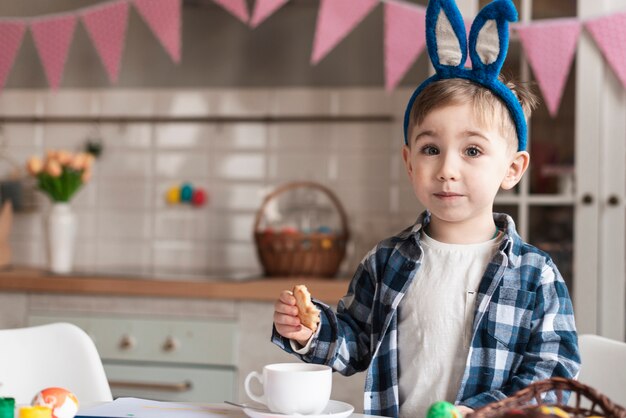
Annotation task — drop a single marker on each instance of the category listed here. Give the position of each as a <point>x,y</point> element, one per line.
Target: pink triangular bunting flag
<point>52,39</point>
<point>550,46</point>
<point>335,19</point>
<point>264,9</point>
<point>163,17</point>
<point>609,32</point>
<point>106,26</point>
<point>11,35</point>
<point>237,8</point>
<point>405,38</point>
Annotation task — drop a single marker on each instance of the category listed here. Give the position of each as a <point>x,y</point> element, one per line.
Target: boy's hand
<point>286,319</point>
<point>464,410</point>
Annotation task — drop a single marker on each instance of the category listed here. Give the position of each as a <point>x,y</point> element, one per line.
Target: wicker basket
<point>587,401</point>
<point>298,253</point>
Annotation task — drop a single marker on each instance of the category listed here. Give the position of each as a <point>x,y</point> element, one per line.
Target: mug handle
<point>251,395</point>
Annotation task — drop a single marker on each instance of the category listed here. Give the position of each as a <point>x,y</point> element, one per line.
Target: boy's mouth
<point>447,195</point>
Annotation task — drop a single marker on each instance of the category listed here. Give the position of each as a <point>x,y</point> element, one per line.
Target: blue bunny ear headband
<point>488,45</point>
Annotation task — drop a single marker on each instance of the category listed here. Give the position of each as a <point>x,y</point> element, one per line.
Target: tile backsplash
<point>125,225</point>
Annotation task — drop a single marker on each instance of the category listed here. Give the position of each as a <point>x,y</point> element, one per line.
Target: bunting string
<point>549,45</point>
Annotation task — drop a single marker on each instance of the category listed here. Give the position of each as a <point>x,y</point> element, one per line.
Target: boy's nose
<point>448,170</point>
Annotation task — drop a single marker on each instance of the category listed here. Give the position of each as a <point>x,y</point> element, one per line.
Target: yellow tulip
<point>34,165</point>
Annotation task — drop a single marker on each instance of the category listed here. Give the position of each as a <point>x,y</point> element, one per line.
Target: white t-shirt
<point>435,322</point>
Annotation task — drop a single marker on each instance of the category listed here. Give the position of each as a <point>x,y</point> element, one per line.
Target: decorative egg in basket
<point>301,229</point>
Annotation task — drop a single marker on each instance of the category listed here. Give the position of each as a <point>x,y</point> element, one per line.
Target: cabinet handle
<point>587,199</point>
<point>613,200</point>
<point>164,387</point>
<point>170,345</point>
<point>127,342</point>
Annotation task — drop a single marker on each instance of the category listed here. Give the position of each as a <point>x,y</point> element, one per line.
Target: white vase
<point>61,227</point>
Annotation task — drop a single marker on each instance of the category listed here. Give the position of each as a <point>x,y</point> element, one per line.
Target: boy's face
<point>457,165</point>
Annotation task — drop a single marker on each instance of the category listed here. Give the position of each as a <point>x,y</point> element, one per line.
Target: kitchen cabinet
<point>570,203</point>
<point>217,342</point>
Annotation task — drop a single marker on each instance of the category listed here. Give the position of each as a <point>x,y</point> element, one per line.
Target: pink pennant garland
<point>609,32</point>
<point>11,35</point>
<point>264,9</point>
<point>237,8</point>
<point>405,39</point>
<point>163,17</point>
<point>52,40</point>
<point>335,19</point>
<point>106,27</point>
<point>550,46</point>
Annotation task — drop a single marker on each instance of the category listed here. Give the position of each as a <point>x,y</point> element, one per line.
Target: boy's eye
<point>430,150</point>
<point>472,152</point>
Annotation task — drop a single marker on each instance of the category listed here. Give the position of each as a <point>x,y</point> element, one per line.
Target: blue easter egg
<point>186,192</point>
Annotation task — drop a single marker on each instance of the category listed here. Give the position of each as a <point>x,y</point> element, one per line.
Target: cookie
<point>307,312</point>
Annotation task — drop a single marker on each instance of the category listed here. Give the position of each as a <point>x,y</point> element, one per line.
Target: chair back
<point>53,355</point>
<point>603,366</point>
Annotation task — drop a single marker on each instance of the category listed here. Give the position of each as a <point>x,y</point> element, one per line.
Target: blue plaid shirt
<point>523,328</point>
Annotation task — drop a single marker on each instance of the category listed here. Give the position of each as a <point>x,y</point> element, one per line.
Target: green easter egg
<point>443,409</point>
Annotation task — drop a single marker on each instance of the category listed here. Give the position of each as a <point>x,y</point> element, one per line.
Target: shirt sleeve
<point>552,349</point>
<point>342,339</point>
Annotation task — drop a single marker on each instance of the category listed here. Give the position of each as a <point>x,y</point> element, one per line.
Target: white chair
<point>54,355</point>
<point>603,366</point>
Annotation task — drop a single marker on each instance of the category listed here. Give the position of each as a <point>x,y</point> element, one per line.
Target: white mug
<point>293,388</point>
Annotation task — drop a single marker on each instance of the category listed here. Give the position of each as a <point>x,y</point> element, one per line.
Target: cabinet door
<point>600,222</point>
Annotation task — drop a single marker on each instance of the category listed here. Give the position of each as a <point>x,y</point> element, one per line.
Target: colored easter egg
<point>443,409</point>
<point>198,198</point>
<point>326,244</point>
<point>324,230</point>
<point>62,402</point>
<point>172,196</point>
<point>552,411</point>
<point>186,192</point>
<point>35,412</point>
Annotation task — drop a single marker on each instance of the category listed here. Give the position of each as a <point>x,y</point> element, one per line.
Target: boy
<point>456,307</point>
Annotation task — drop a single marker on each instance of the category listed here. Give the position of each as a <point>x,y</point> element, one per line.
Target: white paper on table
<point>144,408</point>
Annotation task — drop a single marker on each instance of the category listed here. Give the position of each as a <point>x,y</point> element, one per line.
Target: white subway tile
<point>239,166</point>
<point>182,165</point>
<point>21,102</point>
<point>371,137</point>
<point>364,168</point>
<point>182,103</point>
<point>237,257</point>
<point>298,102</point>
<point>125,194</point>
<point>239,136</point>
<point>118,164</point>
<point>182,223</point>
<point>225,225</point>
<point>124,225</point>
<point>190,136</point>
<point>239,102</point>
<point>21,137</point>
<point>300,166</point>
<point>71,102</point>
<point>237,196</point>
<point>181,257</point>
<point>304,137</point>
<point>126,103</point>
<point>124,136</point>
<point>129,255</point>
<point>68,136</point>
<point>359,101</point>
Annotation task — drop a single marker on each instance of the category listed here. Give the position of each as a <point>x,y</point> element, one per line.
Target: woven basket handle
<point>304,184</point>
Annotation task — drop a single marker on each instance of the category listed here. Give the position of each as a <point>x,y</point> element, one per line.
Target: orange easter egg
<point>62,402</point>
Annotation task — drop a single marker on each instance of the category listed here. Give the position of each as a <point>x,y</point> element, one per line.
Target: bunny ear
<point>489,36</point>
<point>445,35</point>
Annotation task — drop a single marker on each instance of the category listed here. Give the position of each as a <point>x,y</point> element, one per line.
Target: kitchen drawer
<point>205,342</point>
<point>207,384</point>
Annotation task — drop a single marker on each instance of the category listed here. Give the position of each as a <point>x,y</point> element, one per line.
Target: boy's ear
<point>406,157</point>
<point>516,170</point>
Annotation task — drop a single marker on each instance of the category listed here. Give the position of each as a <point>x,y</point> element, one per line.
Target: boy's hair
<point>488,108</point>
